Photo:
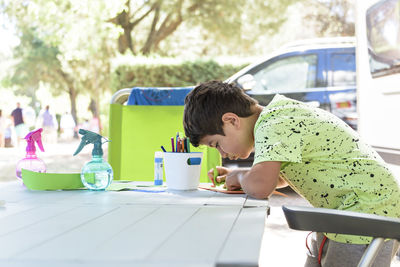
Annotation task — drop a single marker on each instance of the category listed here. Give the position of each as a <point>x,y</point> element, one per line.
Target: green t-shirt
<point>325,161</point>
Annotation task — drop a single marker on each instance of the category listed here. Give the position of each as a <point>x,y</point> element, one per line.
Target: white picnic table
<point>128,228</point>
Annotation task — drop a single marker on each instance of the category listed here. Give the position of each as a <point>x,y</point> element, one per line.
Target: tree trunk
<point>153,32</point>
<point>94,107</point>
<point>167,27</point>
<point>72,99</point>
<point>123,19</point>
<point>166,31</point>
<point>125,39</point>
<point>72,96</point>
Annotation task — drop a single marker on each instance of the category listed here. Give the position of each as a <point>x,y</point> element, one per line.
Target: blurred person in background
<point>19,125</point>
<point>83,125</point>
<point>9,134</point>
<point>67,126</point>
<point>48,122</point>
<point>2,129</point>
<point>94,125</point>
<point>29,115</point>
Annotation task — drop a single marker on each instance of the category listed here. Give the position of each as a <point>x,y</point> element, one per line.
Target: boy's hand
<point>232,179</point>
<point>217,175</point>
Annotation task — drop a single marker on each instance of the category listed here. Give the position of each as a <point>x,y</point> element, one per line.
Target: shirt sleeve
<point>278,139</point>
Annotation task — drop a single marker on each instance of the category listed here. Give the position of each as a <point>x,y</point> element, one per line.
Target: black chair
<point>345,222</point>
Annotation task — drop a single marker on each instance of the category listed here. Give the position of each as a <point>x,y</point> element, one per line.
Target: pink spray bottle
<point>31,161</point>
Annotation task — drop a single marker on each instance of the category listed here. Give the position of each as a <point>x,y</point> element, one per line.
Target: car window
<point>289,74</point>
<point>343,69</point>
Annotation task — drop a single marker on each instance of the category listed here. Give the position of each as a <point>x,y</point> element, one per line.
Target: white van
<point>378,76</point>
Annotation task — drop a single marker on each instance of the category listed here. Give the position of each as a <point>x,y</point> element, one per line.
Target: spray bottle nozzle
<point>31,138</point>
<point>89,137</point>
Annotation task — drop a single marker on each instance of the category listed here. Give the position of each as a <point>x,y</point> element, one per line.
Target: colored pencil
<point>178,145</point>
<point>187,145</point>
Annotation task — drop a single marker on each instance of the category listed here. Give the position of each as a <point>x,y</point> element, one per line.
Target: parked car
<point>321,72</point>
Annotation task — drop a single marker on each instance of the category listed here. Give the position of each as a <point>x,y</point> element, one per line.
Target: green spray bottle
<point>96,174</point>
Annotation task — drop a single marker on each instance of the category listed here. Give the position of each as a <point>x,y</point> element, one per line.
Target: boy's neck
<point>251,121</point>
<point>257,109</point>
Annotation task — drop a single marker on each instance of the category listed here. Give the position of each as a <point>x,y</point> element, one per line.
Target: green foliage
<point>65,44</point>
<point>331,18</point>
<point>149,26</point>
<point>71,46</point>
<point>187,73</point>
<point>37,61</point>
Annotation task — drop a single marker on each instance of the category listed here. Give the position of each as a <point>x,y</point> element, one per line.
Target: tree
<point>219,18</point>
<point>64,43</point>
<point>80,36</point>
<point>331,17</point>
<point>39,62</point>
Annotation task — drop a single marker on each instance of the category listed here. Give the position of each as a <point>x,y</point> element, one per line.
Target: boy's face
<point>237,142</point>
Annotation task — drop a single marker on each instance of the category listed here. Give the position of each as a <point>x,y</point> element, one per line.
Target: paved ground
<point>281,245</point>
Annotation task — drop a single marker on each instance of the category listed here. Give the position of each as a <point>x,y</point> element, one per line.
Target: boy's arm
<point>260,181</point>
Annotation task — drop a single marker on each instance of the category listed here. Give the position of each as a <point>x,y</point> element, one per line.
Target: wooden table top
<point>128,228</point>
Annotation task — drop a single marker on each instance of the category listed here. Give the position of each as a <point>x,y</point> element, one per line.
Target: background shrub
<point>162,74</point>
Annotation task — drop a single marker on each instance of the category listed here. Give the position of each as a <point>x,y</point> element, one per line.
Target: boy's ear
<point>231,118</point>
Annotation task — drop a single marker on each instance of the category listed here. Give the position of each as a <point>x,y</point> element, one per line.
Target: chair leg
<point>371,252</point>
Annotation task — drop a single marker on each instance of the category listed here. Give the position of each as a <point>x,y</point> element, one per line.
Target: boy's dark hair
<point>205,105</point>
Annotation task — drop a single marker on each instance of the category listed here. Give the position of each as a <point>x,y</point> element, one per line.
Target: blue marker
<point>163,149</point>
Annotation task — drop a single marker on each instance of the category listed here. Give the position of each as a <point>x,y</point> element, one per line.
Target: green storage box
<point>136,132</point>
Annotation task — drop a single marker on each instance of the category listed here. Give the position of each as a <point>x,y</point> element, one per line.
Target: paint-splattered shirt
<point>325,161</point>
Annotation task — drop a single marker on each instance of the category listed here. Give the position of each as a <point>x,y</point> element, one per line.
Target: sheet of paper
<point>126,186</point>
<point>219,188</point>
<point>51,181</point>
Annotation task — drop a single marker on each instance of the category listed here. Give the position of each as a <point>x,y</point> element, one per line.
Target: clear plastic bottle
<point>97,174</point>
<point>158,168</point>
<point>31,161</point>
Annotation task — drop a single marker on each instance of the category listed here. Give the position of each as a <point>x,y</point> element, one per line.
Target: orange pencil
<point>178,145</point>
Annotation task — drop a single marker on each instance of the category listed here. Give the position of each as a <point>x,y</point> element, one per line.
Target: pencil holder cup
<point>182,170</point>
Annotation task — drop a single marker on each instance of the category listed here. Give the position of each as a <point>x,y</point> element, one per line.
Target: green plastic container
<point>136,132</point>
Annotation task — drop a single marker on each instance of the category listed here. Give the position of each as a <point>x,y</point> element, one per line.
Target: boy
<point>309,149</point>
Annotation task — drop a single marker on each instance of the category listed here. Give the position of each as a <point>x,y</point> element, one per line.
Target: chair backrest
<point>341,222</point>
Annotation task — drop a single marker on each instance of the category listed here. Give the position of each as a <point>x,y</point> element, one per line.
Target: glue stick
<point>158,168</point>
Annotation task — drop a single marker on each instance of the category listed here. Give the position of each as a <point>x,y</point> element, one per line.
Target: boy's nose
<point>223,154</point>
